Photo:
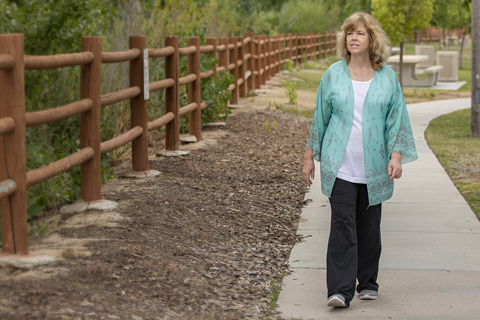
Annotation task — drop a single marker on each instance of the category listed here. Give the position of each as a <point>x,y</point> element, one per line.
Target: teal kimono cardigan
<point>385,123</point>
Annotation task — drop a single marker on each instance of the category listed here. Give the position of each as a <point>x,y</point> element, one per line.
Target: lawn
<point>449,138</point>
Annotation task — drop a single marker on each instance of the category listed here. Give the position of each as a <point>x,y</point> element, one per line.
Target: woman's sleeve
<point>399,131</point>
<point>319,122</point>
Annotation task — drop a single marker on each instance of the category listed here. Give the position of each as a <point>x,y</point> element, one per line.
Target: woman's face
<point>358,41</point>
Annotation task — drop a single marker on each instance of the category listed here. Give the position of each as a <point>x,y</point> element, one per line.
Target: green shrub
<point>291,91</point>
<point>53,27</point>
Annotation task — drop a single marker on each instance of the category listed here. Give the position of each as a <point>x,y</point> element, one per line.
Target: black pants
<point>354,244</point>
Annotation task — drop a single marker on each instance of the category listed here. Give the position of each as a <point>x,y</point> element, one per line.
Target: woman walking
<point>361,135</point>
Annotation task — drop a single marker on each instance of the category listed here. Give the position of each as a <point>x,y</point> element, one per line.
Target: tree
<point>464,22</point>
<point>298,16</point>
<point>347,7</point>
<point>452,14</point>
<point>475,112</point>
<point>400,18</point>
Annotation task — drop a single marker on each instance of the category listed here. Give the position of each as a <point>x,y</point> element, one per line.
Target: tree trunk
<point>475,112</point>
<point>439,38</point>
<point>400,65</point>
<point>461,49</point>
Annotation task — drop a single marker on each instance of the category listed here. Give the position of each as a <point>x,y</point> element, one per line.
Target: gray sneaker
<point>368,295</point>
<point>337,301</point>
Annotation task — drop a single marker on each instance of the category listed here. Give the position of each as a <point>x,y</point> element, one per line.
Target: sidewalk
<point>430,264</point>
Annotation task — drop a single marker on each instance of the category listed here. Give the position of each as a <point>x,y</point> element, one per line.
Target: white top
<point>352,168</point>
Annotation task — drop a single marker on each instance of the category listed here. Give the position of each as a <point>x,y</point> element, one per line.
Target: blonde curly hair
<point>379,41</point>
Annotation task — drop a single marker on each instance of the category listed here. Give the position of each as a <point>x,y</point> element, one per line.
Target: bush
<point>56,26</point>
<point>53,27</point>
<point>291,91</point>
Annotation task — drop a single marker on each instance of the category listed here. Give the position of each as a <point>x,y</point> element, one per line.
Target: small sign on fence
<point>146,87</point>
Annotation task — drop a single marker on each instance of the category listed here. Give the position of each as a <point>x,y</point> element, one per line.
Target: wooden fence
<point>252,60</point>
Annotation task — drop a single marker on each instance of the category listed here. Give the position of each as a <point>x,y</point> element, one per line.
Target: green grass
<point>310,81</point>
<point>292,109</point>
<point>459,153</point>
<point>275,287</point>
<point>465,75</point>
<point>275,294</point>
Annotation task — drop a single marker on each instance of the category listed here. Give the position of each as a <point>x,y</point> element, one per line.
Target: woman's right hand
<point>308,167</point>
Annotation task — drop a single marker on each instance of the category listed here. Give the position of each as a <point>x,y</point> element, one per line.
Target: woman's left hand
<point>394,167</point>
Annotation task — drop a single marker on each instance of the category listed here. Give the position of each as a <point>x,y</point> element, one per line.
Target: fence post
<point>212,41</point>
<point>289,45</point>
<point>332,43</point>
<point>250,64</point>
<point>232,53</point>
<point>313,44</point>
<point>257,63</point>
<point>271,50</point>
<point>194,93</point>
<point>138,110</point>
<point>281,39</point>
<point>172,129</point>
<point>328,44</point>
<point>319,46</point>
<point>90,87</point>
<point>223,58</point>
<point>307,47</point>
<point>242,92</point>
<point>13,163</point>
<point>303,48</point>
<point>279,55</point>
<point>324,45</point>
<point>299,50</point>
<point>295,51</point>
<point>264,60</point>
<point>271,56</point>
<point>275,55</point>
<point>223,55</point>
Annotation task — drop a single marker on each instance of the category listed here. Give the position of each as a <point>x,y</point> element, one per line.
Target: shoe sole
<point>336,303</point>
<point>368,297</point>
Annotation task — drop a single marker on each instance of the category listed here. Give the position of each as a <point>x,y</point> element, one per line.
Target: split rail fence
<point>252,60</point>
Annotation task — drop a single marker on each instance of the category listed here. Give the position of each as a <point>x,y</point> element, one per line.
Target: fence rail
<point>252,60</point>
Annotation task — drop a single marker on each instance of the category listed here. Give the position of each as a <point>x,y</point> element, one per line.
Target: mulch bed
<point>207,239</point>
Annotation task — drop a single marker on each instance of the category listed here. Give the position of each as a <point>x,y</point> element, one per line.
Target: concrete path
<point>430,264</point>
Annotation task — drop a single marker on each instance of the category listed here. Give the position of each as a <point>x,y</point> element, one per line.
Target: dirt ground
<point>207,239</point>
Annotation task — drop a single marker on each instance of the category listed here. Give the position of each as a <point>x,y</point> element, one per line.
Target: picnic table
<point>408,71</point>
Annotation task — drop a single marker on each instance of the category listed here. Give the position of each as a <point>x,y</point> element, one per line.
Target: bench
<point>433,73</point>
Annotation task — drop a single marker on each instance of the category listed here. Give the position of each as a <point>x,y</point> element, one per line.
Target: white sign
<point>146,84</point>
